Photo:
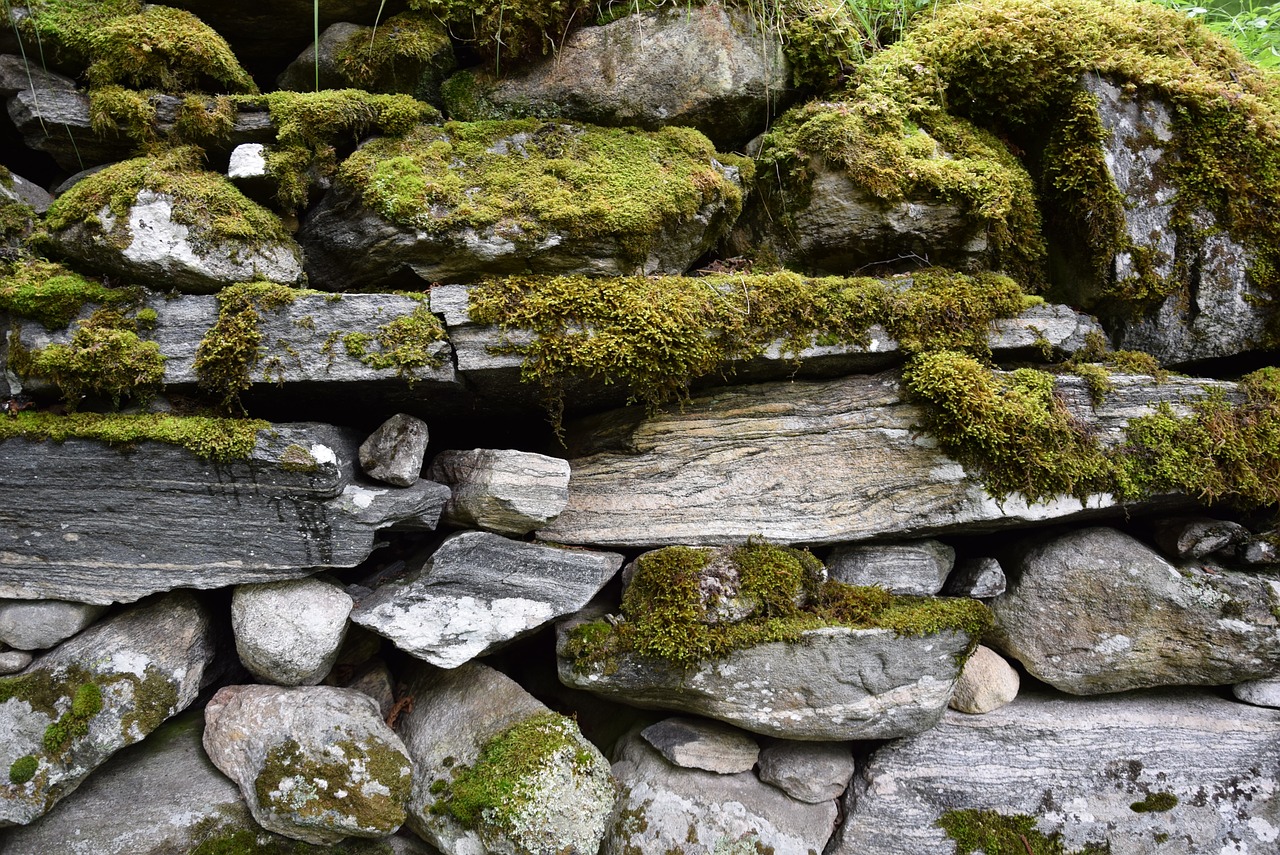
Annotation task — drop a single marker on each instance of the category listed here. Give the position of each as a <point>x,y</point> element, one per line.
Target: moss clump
<point>993,833</point>
<point>296,458</point>
<point>47,292</point>
<point>17,221</point>
<point>504,32</point>
<point>394,56</point>
<point>86,702</point>
<point>220,440</point>
<point>526,179</point>
<point>105,358</point>
<point>1155,803</point>
<point>403,343</point>
<point>23,769</point>
<point>233,345</point>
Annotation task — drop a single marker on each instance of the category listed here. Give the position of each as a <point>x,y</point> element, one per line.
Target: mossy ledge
<point>994,833</point>
<point>220,440</point>
<point>403,343</point>
<point>50,293</point>
<point>231,348</point>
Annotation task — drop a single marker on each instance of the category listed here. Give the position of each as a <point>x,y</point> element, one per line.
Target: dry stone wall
<point>502,430</point>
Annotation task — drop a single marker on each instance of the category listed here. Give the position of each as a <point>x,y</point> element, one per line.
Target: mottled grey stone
<point>376,681</point>
<point>702,744</point>
<point>394,452</point>
<point>144,664</point>
<point>1196,537</point>
<point>1076,766</point>
<point>19,189</point>
<point>289,632</point>
<point>41,624</point>
<point>1095,610</point>
<point>1262,693</point>
<point>986,683</point>
<point>13,661</point>
<point>314,763</point>
<point>813,772</point>
<point>1259,550</point>
<point>504,491</point>
<point>479,591</point>
<point>918,568</point>
<point>976,577</point>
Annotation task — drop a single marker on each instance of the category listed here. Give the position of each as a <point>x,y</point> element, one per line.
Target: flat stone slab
<point>84,521</point>
<point>1078,767</point>
<point>700,744</point>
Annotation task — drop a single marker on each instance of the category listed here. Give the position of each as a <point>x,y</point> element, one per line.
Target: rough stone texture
<point>13,661</point>
<point>813,772</point>
<point>157,249</point>
<point>918,568</point>
<point>376,681</point>
<point>407,75</point>
<point>1196,537</point>
<point>699,744</point>
<point>666,809</point>
<point>479,591</point>
<point>147,664</point>
<point>42,624</point>
<point>986,683</point>
<point>708,67</point>
<point>1259,550</point>
<point>162,797</point>
<point>321,58</point>
<point>503,491</point>
<point>976,577</point>
<point>1096,611</point>
<point>1215,310</point>
<point>834,683</point>
<point>563,806</point>
<point>393,453</point>
<point>1262,693</point>
<point>118,524</point>
<point>19,189</point>
<point>1076,765</point>
<point>314,763</point>
<point>289,632</point>
<point>804,462</point>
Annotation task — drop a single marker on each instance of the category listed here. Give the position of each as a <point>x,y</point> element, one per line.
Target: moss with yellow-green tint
<point>220,440</point>
<point>105,357</point>
<point>403,343</point>
<point>395,55</point>
<point>231,348</point>
<point>994,833</point>
<point>503,32</point>
<point>50,293</point>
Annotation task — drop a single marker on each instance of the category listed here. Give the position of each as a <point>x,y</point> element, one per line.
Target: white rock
<point>1262,693</point>
<point>289,632</point>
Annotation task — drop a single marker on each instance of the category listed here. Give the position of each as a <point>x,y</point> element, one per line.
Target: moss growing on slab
<point>23,769</point>
<point>220,440</point>
<point>403,343</point>
<point>231,348</point>
<point>993,833</point>
<point>86,702</point>
<point>410,40</point>
<point>50,293</point>
<point>1155,803</point>
<point>105,357</point>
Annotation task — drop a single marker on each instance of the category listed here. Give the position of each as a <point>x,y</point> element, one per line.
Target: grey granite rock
<point>13,661</point>
<point>1095,610</point>
<point>479,591</point>
<point>667,809</point>
<point>702,744</point>
<point>289,632</point>
<point>314,763</point>
<point>41,624</point>
<point>1077,767</point>
<point>504,491</point>
<point>394,452</point>
<point>1262,693</point>
<point>813,772</point>
<point>986,683</point>
<point>919,567</point>
<point>1259,551</point>
<point>293,504</point>
<point>104,689</point>
<point>1196,537</point>
<point>976,577</point>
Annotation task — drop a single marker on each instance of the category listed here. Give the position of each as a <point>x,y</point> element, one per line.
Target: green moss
<point>47,292</point>
<point>1155,803</point>
<point>403,343</point>
<point>526,179</point>
<point>17,221</point>
<point>23,769</point>
<point>105,357</point>
<point>115,110</point>
<point>231,348</point>
<point>86,702</point>
<point>65,29</point>
<point>296,458</point>
<point>503,32</point>
<point>215,837</point>
<point>204,120</point>
<point>395,55</point>
<point>992,833</point>
<point>221,440</point>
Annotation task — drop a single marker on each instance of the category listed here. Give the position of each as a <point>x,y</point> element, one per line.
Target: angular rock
<point>15,188</point>
<point>1083,769</point>
<point>976,577</point>
<point>986,683</point>
<point>853,467</point>
<point>393,453</point>
<point>106,518</point>
<point>104,689</point>
<point>462,725</point>
<point>1095,610</point>
<point>375,680</point>
<point>918,568</point>
<point>479,591</point>
<point>314,763</point>
<point>42,624</point>
<point>1196,537</point>
<point>1262,693</point>
<point>714,68</point>
<point>668,809</point>
<point>289,632</point>
<point>708,745</point>
<point>813,772</point>
<point>13,661</point>
<point>503,491</point>
<point>833,683</point>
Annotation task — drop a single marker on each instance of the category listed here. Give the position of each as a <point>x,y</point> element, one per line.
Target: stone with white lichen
<point>289,632</point>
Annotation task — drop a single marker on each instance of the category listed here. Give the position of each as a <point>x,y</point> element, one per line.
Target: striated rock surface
<point>289,632</point>
<point>1083,770</point>
<point>42,624</point>
<point>812,772</point>
<point>293,504</point>
<point>1096,611</point>
<point>503,491</point>
<point>314,763</point>
<point>106,688</point>
<point>708,745</point>
<point>918,568</point>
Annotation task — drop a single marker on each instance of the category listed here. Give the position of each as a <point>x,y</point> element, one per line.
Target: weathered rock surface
<point>314,763</point>
<point>479,591</point>
<point>986,683</point>
<point>709,67</point>
<point>560,800</point>
<point>15,188</point>
<point>13,661</point>
<point>1095,610</point>
<point>832,684</point>
<point>803,462</point>
<point>104,689</point>
<point>1077,765</point>
<point>419,74</point>
<point>289,632</point>
<point>700,744</point>
<point>64,506</point>
<point>918,568</point>
<point>1262,693</point>
<point>812,772</point>
<point>42,624</point>
<point>976,577</point>
<point>1196,537</point>
<point>393,453</point>
<point>503,491</point>
<point>668,809</point>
